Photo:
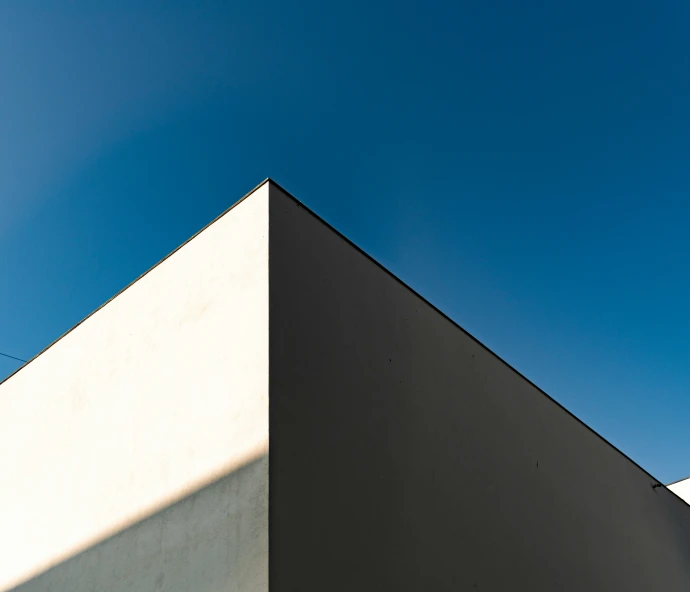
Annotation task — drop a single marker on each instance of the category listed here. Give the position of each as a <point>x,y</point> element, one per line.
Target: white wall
<point>681,489</point>
<point>161,391</point>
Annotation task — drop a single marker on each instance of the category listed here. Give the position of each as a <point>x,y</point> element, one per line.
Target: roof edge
<point>656,482</point>
<point>270,181</point>
<point>134,281</point>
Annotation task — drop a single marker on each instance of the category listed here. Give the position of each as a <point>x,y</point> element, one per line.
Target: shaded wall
<point>214,540</point>
<point>405,456</point>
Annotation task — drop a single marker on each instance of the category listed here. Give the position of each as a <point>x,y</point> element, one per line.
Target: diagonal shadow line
<point>215,538</point>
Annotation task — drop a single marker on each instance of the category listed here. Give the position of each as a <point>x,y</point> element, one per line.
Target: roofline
<point>388,272</point>
<point>45,349</point>
<point>679,481</point>
<point>656,483</point>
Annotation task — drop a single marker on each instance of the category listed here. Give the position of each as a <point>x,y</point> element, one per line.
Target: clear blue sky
<point>523,165</point>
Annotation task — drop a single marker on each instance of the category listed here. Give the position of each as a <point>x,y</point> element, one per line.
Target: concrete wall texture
<point>215,539</point>
<point>403,454</point>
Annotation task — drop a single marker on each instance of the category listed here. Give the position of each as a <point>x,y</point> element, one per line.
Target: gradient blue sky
<point>523,165</point>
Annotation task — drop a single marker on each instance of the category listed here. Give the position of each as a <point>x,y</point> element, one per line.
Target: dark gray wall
<point>406,456</point>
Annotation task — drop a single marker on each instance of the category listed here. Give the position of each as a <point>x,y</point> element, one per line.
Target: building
<point>268,408</point>
<point>681,488</point>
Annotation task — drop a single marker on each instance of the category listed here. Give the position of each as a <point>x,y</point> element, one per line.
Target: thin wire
<point>8,356</point>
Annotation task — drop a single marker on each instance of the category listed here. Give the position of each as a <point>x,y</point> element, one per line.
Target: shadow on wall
<point>215,539</point>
